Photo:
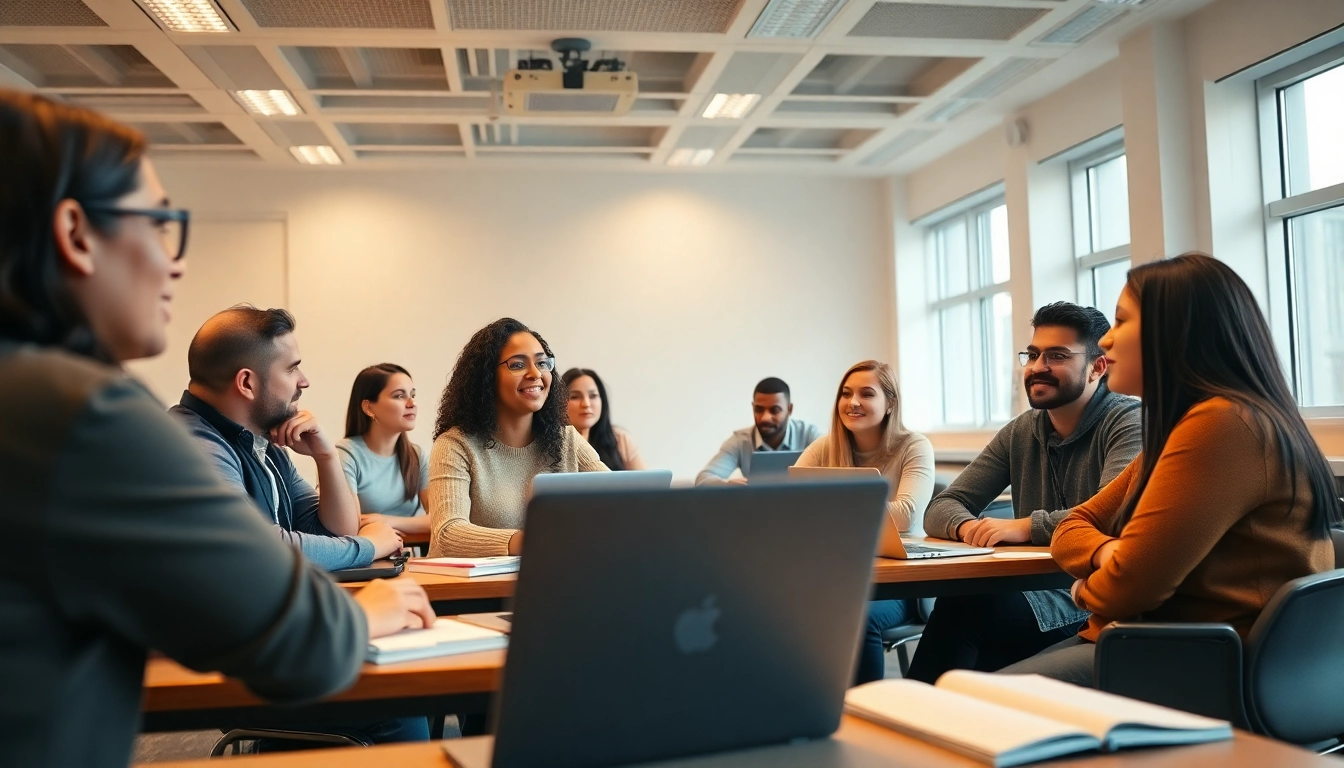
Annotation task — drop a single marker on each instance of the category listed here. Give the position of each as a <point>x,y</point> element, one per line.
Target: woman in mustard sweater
<point>1229,499</point>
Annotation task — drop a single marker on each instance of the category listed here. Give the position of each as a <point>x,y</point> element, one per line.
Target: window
<point>1302,120</point>
<point>973,314</point>
<point>1100,186</point>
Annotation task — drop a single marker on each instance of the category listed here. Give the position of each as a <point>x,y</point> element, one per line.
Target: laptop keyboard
<point>916,548</point>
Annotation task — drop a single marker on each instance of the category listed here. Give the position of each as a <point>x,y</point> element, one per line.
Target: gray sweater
<point>125,539</point>
<point>1049,477</point>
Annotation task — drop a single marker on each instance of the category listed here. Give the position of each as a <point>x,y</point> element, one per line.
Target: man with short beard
<point>241,407</point>
<point>775,430</point>
<point>1077,438</point>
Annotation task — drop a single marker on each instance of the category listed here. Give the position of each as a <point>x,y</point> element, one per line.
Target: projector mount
<point>571,50</point>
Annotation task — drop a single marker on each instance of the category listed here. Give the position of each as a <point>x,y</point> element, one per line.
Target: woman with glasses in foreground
<point>1230,498</point>
<point>128,539</point>
<point>502,421</point>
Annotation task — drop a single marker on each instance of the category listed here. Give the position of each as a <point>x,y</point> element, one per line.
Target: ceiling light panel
<point>950,110</point>
<point>321,154</point>
<point>268,103</point>
<point>188,15</point>
<point>687,156</point>
<point>1083,25</point>
<point>794,19</point>
<point>731,106</point>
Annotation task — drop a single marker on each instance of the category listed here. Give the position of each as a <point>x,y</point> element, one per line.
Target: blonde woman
<point>866,431</point>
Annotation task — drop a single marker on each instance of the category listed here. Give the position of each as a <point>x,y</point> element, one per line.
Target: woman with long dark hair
<point>98,477</point>
<point>501,423</point>
<point>590,414</point>
<point>387,472</point>
<point>1230,498</point>
<point>867,431</point>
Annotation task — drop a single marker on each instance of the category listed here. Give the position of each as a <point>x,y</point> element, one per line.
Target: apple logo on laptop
<point>694,631</point>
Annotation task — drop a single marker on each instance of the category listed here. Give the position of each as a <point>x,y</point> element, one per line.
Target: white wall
<point>681,291</point>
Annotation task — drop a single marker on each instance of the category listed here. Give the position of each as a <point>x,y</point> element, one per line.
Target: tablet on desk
<point>378,569</point>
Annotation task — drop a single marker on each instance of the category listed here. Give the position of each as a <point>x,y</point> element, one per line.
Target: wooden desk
<point>177,698</point>
<point>858,744</point>
<point>892,580</point>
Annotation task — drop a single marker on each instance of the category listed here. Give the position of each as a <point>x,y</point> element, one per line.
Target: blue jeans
<point>882,615</point>
<point>1072,661</point>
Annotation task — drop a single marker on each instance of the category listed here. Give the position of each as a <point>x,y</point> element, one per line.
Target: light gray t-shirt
<point>376,480</point>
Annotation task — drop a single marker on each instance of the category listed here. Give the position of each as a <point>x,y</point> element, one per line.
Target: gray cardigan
<point>1049,477</point>
<point>125,539</point>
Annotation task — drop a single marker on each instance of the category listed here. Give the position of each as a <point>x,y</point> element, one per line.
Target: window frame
<point>1086,261</point>
<point>1280,208</point>
<point>979,296</point>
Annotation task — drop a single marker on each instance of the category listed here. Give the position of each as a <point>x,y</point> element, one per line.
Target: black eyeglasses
<point>171,222</point>
<point>517,364</point>
<point>1053,357</point>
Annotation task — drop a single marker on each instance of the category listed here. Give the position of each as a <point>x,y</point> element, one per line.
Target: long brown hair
<point>1202,335</point>
<point>369,385</point>
<point>840,442</point>
<point>50,152</point>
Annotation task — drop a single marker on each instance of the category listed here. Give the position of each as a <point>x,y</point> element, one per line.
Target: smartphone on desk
<point>378,569</point>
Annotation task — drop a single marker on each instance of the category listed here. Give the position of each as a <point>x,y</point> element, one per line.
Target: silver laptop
<point>590,482</point>
<point>913,550</point>
<point>910,550</point>
<point>689,628</point>
<point>771,466</point>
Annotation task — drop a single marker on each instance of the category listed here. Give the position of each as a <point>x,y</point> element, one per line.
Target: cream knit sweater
<point>478,496</point>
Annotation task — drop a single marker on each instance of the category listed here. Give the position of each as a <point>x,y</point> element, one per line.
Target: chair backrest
<point>1295,661</point>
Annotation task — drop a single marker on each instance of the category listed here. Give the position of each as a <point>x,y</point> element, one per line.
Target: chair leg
<point>903,659</point>
<point>233,737</point>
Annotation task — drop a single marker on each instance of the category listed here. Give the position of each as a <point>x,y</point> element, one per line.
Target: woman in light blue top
<point>385,469</point>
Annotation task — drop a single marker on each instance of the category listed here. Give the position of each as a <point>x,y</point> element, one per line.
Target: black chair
<point>899,638</point>
<point>1285,681</point>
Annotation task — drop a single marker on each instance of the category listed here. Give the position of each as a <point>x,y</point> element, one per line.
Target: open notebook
<point>445,638</point>
<point>1007,720</point>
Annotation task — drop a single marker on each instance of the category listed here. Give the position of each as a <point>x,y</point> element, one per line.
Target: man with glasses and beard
<point>241,407</point>
<point>1077,438</point>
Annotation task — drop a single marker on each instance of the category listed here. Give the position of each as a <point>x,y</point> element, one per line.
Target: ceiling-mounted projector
<point>579,89</point>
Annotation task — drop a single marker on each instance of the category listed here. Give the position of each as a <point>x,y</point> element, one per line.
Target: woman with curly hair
<point>502,421</point>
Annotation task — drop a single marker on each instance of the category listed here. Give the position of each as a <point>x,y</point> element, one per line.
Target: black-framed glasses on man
<point>518,364</point>
<point>172,224</point>
<point>1053,357</point>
